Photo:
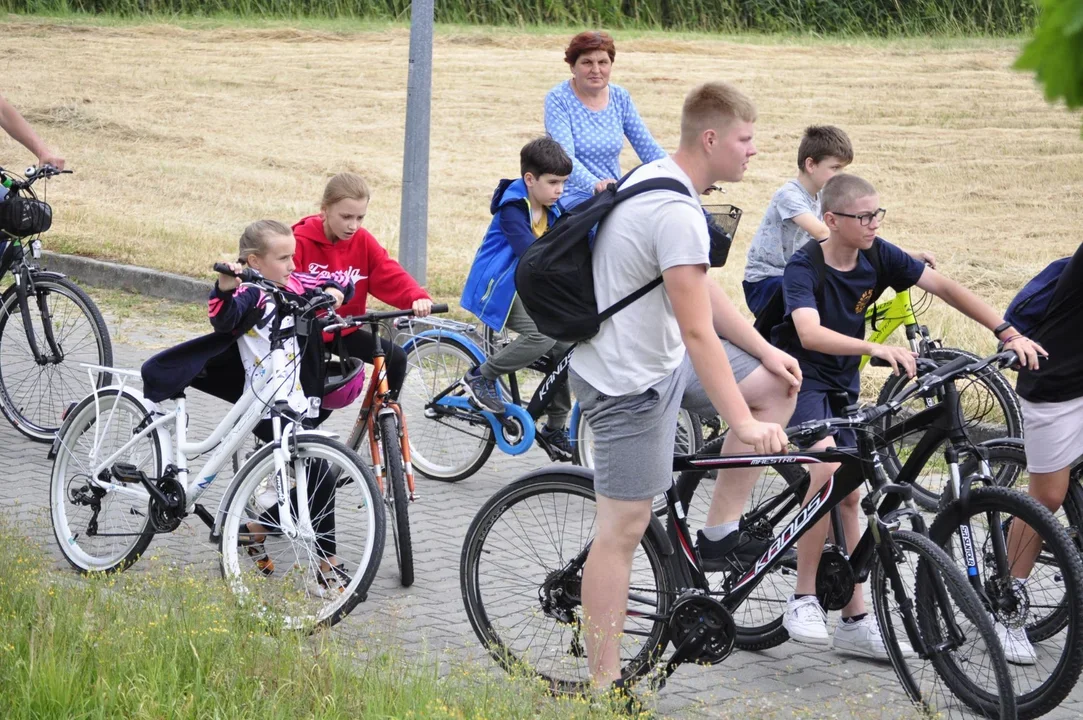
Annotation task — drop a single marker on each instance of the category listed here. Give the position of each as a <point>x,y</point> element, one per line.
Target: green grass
<point>171,644</point>
<point>846,17</point>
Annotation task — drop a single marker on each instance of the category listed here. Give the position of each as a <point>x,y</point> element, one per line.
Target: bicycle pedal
<point>127,473</point>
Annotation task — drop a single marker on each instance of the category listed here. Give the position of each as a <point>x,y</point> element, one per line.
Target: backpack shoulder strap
<point>661,183</point>
<point>873,256</point>
<point>628,299</point>
<point>816,256</point>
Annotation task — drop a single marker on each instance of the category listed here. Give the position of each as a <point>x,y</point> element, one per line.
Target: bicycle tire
<point>127,517</point>
<point>560,661</point>
<point>396,497</point>
<point>934,572</point>
<point>1034,696</point>
<point>298,606</point>
<point>19,389</point>
<point>1008,464</point>
<point>446,449</point>
<point>1007,417</point>
<point>757,621</point>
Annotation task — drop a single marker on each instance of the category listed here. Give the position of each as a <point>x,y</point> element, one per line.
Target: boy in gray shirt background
<point>793,216</point>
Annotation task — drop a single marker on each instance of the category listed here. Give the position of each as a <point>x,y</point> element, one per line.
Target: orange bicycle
<point>381,420</point>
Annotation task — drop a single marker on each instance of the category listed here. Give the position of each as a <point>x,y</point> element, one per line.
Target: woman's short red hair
<point>590,41</point>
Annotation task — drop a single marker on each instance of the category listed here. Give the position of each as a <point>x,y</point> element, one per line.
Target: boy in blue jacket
<point>522,210</point>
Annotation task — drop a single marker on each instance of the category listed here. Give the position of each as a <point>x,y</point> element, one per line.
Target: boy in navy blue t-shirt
<point>828,340</point>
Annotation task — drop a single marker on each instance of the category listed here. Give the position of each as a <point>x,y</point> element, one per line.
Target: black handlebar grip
<point>441,308</point>
<point>245,275</point>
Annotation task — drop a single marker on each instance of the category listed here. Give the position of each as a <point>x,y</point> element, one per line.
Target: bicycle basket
<point>722,221</point>
<point>23,217</point>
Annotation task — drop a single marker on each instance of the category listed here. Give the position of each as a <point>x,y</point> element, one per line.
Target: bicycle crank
<point>702,631</point>
<point>834,579</point>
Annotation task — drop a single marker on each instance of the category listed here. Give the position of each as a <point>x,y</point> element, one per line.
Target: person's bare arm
<point>812,225</point>
<point>817,338</point>
<point>732,325</point>
<point>688,289</point>
<point>981,312</point>
<point>18,128</point>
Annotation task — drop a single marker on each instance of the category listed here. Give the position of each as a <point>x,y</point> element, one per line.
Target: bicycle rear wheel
<point>1046,606</point>
<point>961,670</point>
<point>990,410</point>
<point>521,580</point>
<point>448,446</point>
<point>33,394</point>
<point>97,529</point>
<point>292,582</point>
<point>396,497</point>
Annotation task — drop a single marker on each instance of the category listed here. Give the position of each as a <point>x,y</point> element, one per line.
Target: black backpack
<point>555,277</point>
<point>774,313</point>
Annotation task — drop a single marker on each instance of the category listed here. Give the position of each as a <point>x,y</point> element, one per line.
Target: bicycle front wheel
<point>102,527</point>
<point>990,410</point>
<point>1045,606</point>
<point>521,577</point>
<point>445,444</point>
<point>396,497</point>
<point>303,582</point>
<point>34,391</point>
<point>938,635</point>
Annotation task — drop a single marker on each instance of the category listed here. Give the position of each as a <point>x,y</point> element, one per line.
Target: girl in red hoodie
<point>334,245</point>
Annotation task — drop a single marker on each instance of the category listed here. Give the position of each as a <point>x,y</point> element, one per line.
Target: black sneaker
<point>737,551</point>
<point>559,445</point>
<point>484,391</point>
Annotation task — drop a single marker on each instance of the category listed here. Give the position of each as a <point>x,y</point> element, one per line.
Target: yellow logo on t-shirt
<point>863,301</point>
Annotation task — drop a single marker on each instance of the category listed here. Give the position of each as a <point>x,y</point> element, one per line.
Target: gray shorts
<point>633,434</point>
<point>1052,434</point>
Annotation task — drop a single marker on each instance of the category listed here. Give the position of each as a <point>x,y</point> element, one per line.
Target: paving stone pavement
<point>789,681</point>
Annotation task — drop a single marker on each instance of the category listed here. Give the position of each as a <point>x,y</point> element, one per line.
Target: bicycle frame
<point>556,372</point>
<point>377,402</point>
<point>266,390</point>
<point>888,316</point>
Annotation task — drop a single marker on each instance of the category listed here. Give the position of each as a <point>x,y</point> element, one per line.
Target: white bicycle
<point>300,528</point>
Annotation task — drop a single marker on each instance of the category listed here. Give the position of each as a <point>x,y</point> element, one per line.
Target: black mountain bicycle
<point>974,525</point>
<point>523,556</point>
<point>49,327</point>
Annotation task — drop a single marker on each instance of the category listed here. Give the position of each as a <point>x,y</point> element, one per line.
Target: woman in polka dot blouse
<point>590,118</point>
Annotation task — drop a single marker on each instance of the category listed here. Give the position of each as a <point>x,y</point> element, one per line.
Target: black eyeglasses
<point>864,218</point>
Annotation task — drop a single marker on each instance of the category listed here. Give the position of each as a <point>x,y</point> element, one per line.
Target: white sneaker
<point>1017,647</point>
<point>806,621</point>
<point>864,638</point>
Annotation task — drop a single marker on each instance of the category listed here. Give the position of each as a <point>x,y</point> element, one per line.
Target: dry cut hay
<point>179,137</point>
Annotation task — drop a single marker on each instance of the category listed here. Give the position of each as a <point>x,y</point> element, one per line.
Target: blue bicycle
<point>450,436</point>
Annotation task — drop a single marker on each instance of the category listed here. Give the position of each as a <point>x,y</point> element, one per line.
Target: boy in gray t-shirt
<point>793,217</point>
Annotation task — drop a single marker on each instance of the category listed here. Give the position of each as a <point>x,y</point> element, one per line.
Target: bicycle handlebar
<point>815,430</point>
<point>31,176</point>
<point>341,323</point>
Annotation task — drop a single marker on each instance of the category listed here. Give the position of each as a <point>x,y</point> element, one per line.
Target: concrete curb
<point>145,281</point>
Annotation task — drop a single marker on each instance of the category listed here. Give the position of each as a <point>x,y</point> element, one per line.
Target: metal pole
<point>414,219</point>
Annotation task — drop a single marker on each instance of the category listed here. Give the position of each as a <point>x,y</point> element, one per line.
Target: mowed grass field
<point>182,134</point>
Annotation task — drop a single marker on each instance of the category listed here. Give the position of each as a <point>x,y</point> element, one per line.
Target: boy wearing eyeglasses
<point>825,330</point>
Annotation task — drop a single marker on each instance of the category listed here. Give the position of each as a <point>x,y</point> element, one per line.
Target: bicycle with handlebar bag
<point>48,325</point>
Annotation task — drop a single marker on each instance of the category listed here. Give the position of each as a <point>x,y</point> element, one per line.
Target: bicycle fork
<point>24,284</point>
